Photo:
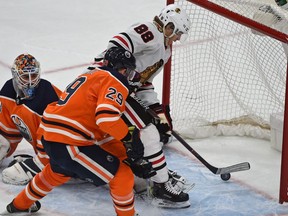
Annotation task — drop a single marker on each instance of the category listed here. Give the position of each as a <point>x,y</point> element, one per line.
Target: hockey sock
<point>39,187</point>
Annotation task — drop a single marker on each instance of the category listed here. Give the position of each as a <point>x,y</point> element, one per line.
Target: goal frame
<point>283,191</point>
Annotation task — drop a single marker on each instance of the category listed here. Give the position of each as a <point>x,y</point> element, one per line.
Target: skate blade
<point>161,203</point>
<point>6,213</point>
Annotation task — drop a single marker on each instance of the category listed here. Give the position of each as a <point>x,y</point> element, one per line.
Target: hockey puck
<point>225,176</point>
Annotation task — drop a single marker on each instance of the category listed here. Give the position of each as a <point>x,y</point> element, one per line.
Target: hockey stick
<point>224,172</point>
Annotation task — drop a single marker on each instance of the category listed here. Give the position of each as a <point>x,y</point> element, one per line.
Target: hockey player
<point>150,44</point>
<point>81,133</point>
<point>22,102</point>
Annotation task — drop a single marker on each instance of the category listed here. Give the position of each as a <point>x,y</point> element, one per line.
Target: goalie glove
<point>133,144</point>
<point>141,167</point>
<point>164,125</point>
<point>4,148</point>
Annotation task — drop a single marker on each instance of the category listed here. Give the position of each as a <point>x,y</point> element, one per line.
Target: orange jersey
<point>21,118</point>
<point>89,110</point>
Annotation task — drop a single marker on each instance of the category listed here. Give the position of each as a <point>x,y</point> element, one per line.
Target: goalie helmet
<point>282,3</point>
<point>174,14</point>
<point>119,58</point>
<point>26,75</point>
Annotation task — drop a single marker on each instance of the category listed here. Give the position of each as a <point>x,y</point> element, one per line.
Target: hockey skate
<point>165,195</point>
<point>11,209</point>
<point>179,182</point>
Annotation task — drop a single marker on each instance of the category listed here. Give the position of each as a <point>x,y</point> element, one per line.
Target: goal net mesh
<point>226,79</point>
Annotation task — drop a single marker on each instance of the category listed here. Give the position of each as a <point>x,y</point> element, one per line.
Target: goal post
<point>229,77</point>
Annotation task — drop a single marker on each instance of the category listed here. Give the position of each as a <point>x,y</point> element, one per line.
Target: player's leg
<point>121,186</point>
<point>165,188</point>
<point>39,187</point>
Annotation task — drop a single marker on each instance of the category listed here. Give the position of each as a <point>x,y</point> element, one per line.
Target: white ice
<point>65,36</point>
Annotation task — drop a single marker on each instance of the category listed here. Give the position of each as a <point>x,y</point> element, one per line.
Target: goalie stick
<point>218,171</point>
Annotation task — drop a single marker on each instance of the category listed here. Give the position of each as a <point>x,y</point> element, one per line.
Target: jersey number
<point>145,34</point>
<point>114,95</point>
<point>70,90</point>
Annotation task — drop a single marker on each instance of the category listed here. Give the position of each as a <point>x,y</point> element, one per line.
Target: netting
<point>225,75</point>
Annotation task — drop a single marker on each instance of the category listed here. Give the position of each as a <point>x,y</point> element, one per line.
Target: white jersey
<point>147,44</point>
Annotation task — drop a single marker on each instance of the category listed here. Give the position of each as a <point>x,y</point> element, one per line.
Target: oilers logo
<point>22,127</point>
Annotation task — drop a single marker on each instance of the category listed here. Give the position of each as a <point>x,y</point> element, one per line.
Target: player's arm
<point>111,105</point>
<point>108,118</point>
<point>10,134</point>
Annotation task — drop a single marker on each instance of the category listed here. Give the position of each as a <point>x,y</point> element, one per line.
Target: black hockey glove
<point>141,167</point>
<point>135,151</point>
<point>164,125</point>
<point>133,144</point>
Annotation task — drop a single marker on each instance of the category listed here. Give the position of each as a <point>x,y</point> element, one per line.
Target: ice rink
<point>65,36</point>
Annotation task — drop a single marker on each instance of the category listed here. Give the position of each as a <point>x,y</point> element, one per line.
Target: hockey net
<point>229,77</point>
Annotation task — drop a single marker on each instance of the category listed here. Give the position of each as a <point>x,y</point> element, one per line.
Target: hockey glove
<point>164,126</point>
<point>141,167</point>
<point>133,144</point>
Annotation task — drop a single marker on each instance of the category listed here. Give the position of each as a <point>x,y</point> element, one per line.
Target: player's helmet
<point>174,14</point>
<point>282,3</point>
<point>26,75</point>
<point>119,58</point>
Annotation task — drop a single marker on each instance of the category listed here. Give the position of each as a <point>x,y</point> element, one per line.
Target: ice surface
<point>65,36</point>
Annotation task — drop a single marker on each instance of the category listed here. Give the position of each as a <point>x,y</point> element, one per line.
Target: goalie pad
<point>21,170</point>
<point>4,148</point>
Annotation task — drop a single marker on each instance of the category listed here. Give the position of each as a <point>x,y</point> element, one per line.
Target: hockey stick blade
<point>218,171</point>
<point>234,168</point>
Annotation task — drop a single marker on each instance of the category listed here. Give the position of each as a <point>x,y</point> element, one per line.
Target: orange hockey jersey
<point>89,110</point>
<point>21,118</point>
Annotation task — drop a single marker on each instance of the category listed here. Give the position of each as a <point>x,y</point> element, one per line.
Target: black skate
<point>11,209</point>
<point>165,195</point>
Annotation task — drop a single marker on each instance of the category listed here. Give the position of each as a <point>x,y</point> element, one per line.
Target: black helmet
<point>119,58</point>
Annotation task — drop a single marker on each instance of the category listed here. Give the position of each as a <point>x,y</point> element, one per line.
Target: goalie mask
<point>26,76</point>
<point>174,14</point>
<point>119,58</point>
